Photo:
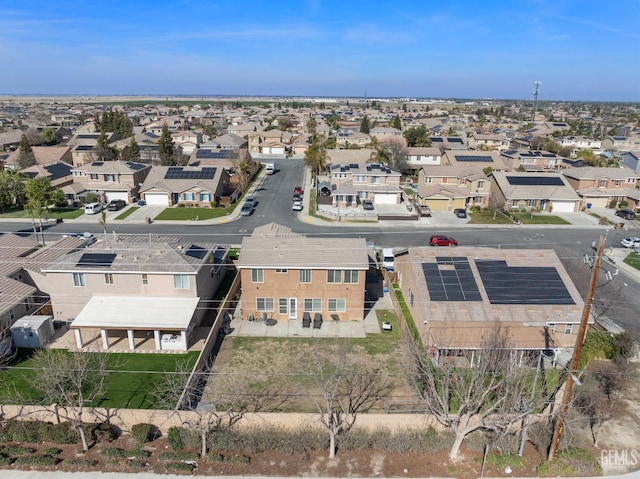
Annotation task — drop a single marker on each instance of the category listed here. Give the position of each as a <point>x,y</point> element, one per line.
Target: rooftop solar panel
<point>84,147</point>
<point>473,158</point>
<point>218,255</point>
<point>522,284</point>
<point>215,154</point>
<point>455,140</point>
<point>58,170</point>
<point>535,180</point>
<point>97,163</point>
<point>437,140</point>
<point>451,279</point>
<point>179,173</point>
<point>197,252</point>
<point>135,166</point>
<point>96,260</point>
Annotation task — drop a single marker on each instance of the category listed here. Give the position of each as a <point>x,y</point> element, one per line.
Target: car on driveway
<point>460,212</point>
<point>441,240</point>
<point>246,209</point>
<point>115,205</point>
<point>631,242</point>
<point>367,205</point>
<point>626,214</point>
<point>297,206</point>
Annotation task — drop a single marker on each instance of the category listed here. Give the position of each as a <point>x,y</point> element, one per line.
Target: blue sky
<point>578,49</point>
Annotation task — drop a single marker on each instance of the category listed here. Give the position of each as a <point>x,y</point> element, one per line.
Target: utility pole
<point>577,350</point>
<point>536,84</point>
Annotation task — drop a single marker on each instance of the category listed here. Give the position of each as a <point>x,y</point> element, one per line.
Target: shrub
<point>103,432</point>
<point>179,466</point>
<point>238,459</point>
<point>114,452</point>
<point>21,431</point>
<point>178,456</point>
<point>61,433</point>
<point>85,463</point>
<point>17,450</point>
<point>37,461</point>
<point>176,437</point>
<point>142,433</point>
<point>216,458</point>
<point>137,464</point>
<point>51,451</point>
<point>613,203</point>
<point>6,460</point>
<point>597,345</point>
<point>571,462</point>
<point>623,204</point>
<point>181,205</point>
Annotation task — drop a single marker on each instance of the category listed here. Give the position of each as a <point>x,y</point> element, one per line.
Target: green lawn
<point>633,259</point>
<point>126,213</point>
<point>194,214</point>
<point>486,217</point>
<point>64,213</point>
<point>539,219</point>
<point>131,385</point>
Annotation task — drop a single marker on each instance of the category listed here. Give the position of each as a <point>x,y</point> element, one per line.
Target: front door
<point>293,308</point>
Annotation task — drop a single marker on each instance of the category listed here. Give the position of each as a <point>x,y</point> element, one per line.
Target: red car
<point>297,190</point>
<point>440,240</point>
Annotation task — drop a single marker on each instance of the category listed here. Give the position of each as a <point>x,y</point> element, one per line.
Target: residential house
<point>147,145</point>
<point>286,274</point>
<point>42,154</point>
<point>191,185</point>
<point>228,141</point>
<point>599,187</point>
<point>456,296</point>
<point>482,159</point>
<point>10,139</point>
<point>621,143</point>
<point>631,159</point>
<point>136,287</point>
<point>577,143</point>
<point>349,138</point>
<point>269,142</point>
<point>243,129</point>
<point>445,188</point>
<point>227,158</point>
<point>380,132</point>
<point>532,160</point>
<point>449,143</point>
<point>112,180</point>
<point>479,141</point>
<point>533,191</point>
<point>57,172</point>
<point>420,156</point>
<point>187,140</point>
<point>353,182</point>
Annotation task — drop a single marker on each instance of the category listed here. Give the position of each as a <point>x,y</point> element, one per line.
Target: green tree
<point>365,126</point>
<point>11,188</point>
<point>397,123</point>
<point>102,151</point>
<point>312,125</point>
<point>316,157</point>
<point>417,136</point>
<point>166,149</point>
<point>133,152</point>
<point>49,136</point>
<point>40,195</point>
<point>26,158</point>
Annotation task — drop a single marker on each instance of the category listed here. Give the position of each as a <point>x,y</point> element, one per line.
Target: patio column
<point>105,338</point>
<point>156,336</point>
<point>183,335</point>
<point>132,343</point>
<point>78,338</point>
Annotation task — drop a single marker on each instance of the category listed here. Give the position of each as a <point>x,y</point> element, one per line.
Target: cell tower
<point>536,84</point>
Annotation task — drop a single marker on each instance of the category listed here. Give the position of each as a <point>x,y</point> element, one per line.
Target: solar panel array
<point>535,180</point>
<point>97,163</point>
<point>216,154</point>
<point>522,284</point>
<point>455,140</point>
<point>96,260</point>
<point>58,170</point>
<point>179,173</point>
<point>474,158</point>
<point>197,252</point>
<point>84,147</point>
<point>135,166</point>
<point>451,284</point>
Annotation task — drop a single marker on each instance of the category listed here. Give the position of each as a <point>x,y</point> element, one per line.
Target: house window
<point>602,183</point>
<point>313,304</point>
<point>264,304</point>
<point>351,276</point>
<point>257,275</point>
<point>552,327</point>
<point>305,276</point>
<point>360,178</point>
<point>531,203</point>
<point>12,315</point>
<point>109,177</point>
<point>78,280</point>
<point>334,276</point>
<point>281,270</point>
<point>108,278</point>
<point>375,179</point>
<point>480,185</point>
<point>181,281</point>
<point>188,196</point>
<point>630,180</point>
<point>145,279</point>
<point>616,183</point>
<point>462,181</point>
<point>336,305</point>
<point>568,328</point>
<point>205,197</point>
<point>428,180</point>
<point>94,176</point>
<point>282,305</point>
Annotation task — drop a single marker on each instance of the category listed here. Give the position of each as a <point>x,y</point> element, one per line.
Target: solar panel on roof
<point>437,140</point>
<point>215,154</point>
<point>97,163</point>
<point>135,166</point>
<point>197,252</point>
<point>218,255</point>
<point>454,140</point>
<point>58,170</point>
<point>96,260</point>
<point>84,147</point>
<point>522,284</point>
<point>451,284</point>
<point>535,180</point>
<point>179,173</point>
<point>473,158</point>
<point>353,165</point>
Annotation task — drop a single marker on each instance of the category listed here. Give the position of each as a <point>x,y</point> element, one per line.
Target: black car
<point>460,212</point>
<point>115,205</point>
<point>626,214</point>
<point>367,205</point>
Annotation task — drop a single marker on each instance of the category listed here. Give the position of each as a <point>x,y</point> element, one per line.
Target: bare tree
<point>242,167</point>
<point>71,382</point>
<point>398,153</point>
<point>490,393</point>
<point>346,387</point>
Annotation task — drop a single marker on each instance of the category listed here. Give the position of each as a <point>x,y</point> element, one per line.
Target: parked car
<point>251,200</point>
<point>297,206</point>
<point>626,214</point>
<point>115,205</point>
<point>86,236</point>
<point>631,242</point>
<point>460,212</point>
<point>297,190</point>
<point>441,240</point>
<point>246,209</point>
<point>296,197</point>
<point>93,208</point>
<point>367,205</point>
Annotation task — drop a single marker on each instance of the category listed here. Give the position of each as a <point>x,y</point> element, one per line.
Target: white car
<point>297,206</point>
<point>631,242</point>
<point>86,236</point>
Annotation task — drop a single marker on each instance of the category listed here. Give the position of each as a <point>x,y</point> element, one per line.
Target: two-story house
<point>135,288</point>
<point>380,132</point>
<point>187,140</point>
<point>44,155</point>
<point>191,185</point>
<point>445,188</point>
<point>621,143</point>
<point>631,159</point>
<point>577,143</point>
<point>532,160</point>
<point>353,182</point>
<point>598,187</point>
<point>475,158</point>
<point>112,180</point>
<point>347,138</point>
<point>285,274</point>
<point>498,142</point>
<point>419,156</point>
<point>270,142</point>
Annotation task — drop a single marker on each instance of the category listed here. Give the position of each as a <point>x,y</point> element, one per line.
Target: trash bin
<point>141,203</point>
<point>588,206</point>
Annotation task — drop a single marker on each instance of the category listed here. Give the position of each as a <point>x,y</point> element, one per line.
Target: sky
<point>580,50</point>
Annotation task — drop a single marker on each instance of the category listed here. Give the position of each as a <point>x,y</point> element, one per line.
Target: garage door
<point>385,199</point>
<point>438,204</point>
<point>158,199</point>
<point>597,202</point>
<point>117,195</point>
<point>563,206</point>
<point>277,150</point>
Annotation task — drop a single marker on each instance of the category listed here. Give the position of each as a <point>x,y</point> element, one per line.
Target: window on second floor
<point>616,183</point>
<point>109,177</point>
<point>79,280</point>
<point>281,270</point>
<point>428,179</point>
<point>375,179</point>
<point>145,279</point>
<point>305,276</point>
<point>351,276</point>
<point>94,176</point>
<point>334,276</point>
<point>568,328</point>
<point>602,183</point>
<point>108,278</point>
<point>181,281</point>
<point>257,275</point>
<point>480,185</point>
